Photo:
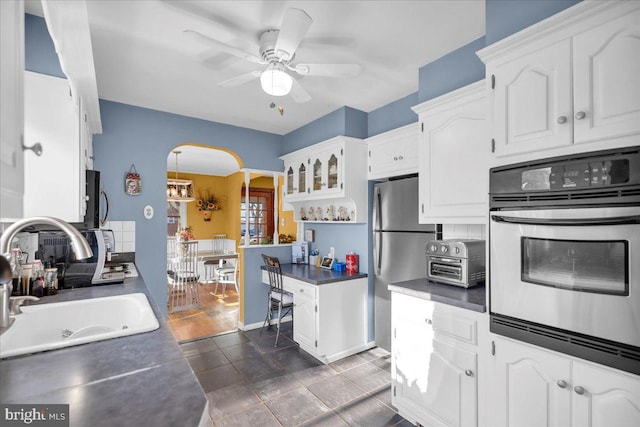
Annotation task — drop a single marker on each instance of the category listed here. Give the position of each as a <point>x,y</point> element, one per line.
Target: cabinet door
<point>52,118</point>
<point>11,109</point>
<point>295,178</point>
<point>532,109</point>
<point>454,160</point>
<point>529,387</point>
<point>326,169</point>
<point>411,348</point>
<point>606,397</point>
<point>394,157</point>
<point>304,325</point>
<point>607,80</point>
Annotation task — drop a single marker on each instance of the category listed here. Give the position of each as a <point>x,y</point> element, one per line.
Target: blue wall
<point>345,121</point>
<point>40,54</point>
<point>393,115</point>
<point>505,17</point>
<point>452,71</point>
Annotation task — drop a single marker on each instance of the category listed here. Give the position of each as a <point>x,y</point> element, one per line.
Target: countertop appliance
<point>55,249</point>
<point>398,245</point>
<point>565,255</point>
<point>456,262</point>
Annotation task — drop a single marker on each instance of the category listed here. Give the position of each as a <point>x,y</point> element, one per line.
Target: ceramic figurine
<point>330,213</point>
<point>303,217</point>
<point>312,216</point>
<point>353,215</point>
<point>318,214</point>
<point>342,213</point>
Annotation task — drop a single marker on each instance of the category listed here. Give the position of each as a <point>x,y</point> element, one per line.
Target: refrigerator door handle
<point>377,250</point>
<point>377,211</point>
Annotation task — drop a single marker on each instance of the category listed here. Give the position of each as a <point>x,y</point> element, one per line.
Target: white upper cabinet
<point>54,182</point>
<point>454,157</point>
<point>11,109</point>
<point>327,181</point>
<point>567,84</point>
<point>393,153</point>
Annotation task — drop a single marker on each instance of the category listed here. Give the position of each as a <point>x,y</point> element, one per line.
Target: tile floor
<point>250,383</point>
<point>215,316</point>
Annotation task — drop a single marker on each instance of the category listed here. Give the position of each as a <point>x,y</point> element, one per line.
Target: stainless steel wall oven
<point>564,241</point>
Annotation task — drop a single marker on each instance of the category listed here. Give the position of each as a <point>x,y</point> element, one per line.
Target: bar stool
<point>278,298</point>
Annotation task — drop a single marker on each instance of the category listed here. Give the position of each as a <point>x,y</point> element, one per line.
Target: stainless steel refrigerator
<point>399,244</point>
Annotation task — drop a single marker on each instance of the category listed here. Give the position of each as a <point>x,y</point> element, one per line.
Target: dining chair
<point>227,274</point>
<point>183,277</point>
<point>217,246</point>
<point>278,299</point>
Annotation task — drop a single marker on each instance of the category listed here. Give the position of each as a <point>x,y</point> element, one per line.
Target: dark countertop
<point>316,275</point>
<point>471,298</point>
<point>137,380</point>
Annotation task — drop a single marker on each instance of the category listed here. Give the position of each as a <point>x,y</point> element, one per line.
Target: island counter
<point>137,380</point>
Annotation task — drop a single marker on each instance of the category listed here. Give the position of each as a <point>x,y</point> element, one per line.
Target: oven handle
<point>621,220</point>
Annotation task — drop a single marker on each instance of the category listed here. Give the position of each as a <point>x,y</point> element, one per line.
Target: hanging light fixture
<point>275,81</point>
<point>179,190</point>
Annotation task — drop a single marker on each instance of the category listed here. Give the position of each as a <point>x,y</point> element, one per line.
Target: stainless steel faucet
<point>80,247</point>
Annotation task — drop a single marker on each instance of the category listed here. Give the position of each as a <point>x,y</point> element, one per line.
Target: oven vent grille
<point>577,345</point>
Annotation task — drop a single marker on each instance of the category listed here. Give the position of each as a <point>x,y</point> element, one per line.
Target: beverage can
<point>352,263</point>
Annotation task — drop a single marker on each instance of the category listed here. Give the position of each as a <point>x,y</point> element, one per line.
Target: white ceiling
<point>143,58</point>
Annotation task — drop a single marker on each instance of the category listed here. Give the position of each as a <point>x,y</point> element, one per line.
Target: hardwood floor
<point>215,316</point>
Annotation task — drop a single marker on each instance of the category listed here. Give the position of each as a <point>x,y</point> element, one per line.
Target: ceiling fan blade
<point>241,79</point>
<point>328,70</point>
<point>298,93</point>
<point>224,47</point>
<point>295,25</point>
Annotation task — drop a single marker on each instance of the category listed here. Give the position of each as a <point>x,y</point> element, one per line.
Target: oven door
<point>573,269</point>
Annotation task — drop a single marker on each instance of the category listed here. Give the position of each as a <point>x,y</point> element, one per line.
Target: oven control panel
<point>576,175</point>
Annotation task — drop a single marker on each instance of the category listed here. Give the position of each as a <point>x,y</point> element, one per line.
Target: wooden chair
<point>278,298</point>
<point>183,278</point>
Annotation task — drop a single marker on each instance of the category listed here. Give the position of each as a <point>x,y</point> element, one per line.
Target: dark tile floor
<point>250,383</point>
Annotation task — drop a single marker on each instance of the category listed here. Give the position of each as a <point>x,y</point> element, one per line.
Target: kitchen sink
<point>65,324</point>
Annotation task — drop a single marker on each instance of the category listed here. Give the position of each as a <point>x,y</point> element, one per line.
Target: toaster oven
<point>456,262</point>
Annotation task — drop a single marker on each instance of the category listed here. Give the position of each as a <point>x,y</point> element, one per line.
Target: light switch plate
<point>148,212</point>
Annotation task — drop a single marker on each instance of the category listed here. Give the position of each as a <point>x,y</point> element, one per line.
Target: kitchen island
<point>137,380</point>
<point>330,310</point>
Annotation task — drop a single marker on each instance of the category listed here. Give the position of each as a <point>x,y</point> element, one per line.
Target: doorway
<point>214,184</point>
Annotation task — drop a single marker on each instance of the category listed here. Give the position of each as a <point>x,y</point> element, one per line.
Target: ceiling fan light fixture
<point>275,81</point>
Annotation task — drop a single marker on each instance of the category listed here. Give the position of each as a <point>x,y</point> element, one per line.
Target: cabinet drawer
<point>451,322</point>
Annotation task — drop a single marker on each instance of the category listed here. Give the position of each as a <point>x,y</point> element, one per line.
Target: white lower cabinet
<point>329,320</point>
<point>434,369</point>
<point>532,386</point>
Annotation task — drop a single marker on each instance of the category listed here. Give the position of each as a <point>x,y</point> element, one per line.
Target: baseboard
<point>258,325</point>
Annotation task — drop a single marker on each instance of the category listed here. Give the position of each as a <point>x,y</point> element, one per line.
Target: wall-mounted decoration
<point>133,182</point>
<point>207,203</point>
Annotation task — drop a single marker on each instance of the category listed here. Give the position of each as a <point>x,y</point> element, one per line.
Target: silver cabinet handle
<point>400,158</point>
<point>578,389</point>
<point>301,290</point>
<point>562,119</point>
<point>581,115</point>
<point>429,321</point>
<point>395,158</point>
<point>468,372</point>
<point>562,383</point>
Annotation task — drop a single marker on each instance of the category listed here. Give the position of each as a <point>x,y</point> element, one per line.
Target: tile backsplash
<point>464,231</point>
<point>125,234</point>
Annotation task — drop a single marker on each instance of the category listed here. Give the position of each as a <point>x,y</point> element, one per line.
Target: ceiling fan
<point>277,52</point>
